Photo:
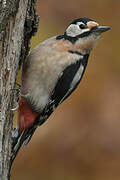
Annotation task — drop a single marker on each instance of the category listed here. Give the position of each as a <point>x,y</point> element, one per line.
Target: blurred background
<point>81,139</point>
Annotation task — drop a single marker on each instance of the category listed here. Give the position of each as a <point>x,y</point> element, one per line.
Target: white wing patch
<point>77,76</point>
<point>76,79</point>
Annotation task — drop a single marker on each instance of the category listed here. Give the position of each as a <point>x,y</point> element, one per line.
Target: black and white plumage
<point>51,73</point>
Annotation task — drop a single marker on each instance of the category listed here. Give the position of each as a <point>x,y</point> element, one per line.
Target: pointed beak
<point>100,29</point>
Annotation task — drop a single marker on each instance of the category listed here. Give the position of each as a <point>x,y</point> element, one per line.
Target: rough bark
<point>18,22</point>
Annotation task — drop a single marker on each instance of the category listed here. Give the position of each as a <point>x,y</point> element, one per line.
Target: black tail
<point>18,138</point>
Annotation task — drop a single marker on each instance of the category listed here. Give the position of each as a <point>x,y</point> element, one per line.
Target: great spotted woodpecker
<point>51,72</point>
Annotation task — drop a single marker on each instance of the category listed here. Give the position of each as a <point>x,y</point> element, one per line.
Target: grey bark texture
<point>18,22</point>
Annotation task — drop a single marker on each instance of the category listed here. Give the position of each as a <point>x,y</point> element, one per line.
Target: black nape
<point>65,37</point>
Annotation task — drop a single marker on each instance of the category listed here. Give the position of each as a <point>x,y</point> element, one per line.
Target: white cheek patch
<point>74,30</point>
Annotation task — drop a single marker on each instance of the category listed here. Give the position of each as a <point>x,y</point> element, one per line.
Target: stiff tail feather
<point>18,138</point>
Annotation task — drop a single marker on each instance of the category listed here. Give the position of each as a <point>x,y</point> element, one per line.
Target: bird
<point>51,72</point>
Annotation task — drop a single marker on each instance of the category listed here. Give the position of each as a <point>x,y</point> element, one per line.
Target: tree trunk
<point>18,22</point>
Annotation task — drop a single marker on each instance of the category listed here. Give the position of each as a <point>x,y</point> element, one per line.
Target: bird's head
<point>84,32</point>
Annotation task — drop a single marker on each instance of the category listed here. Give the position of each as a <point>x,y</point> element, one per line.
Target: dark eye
<point>82,26</point>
